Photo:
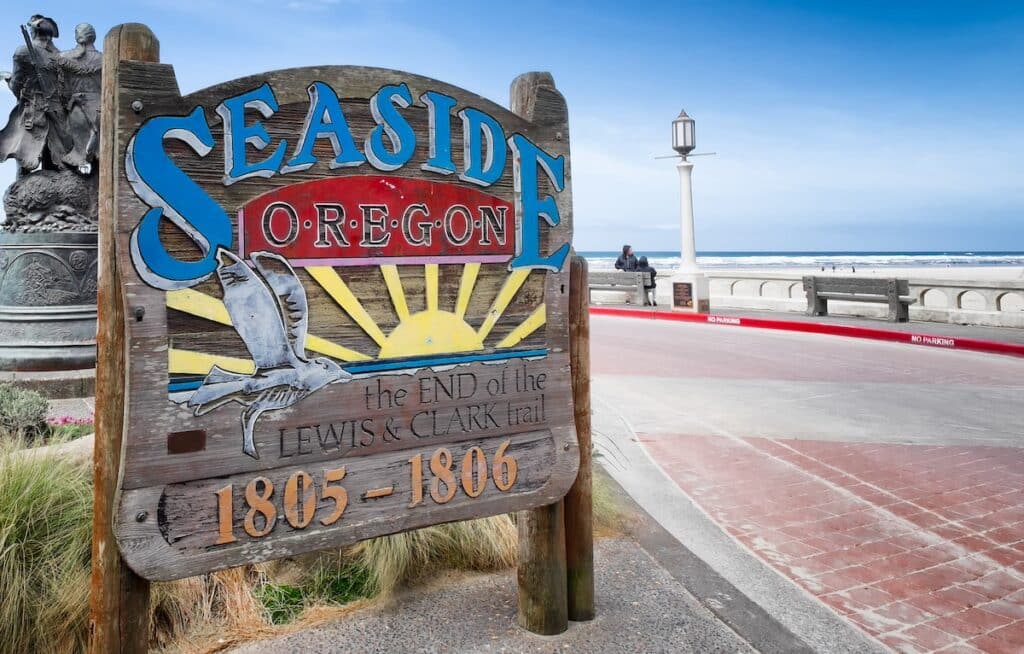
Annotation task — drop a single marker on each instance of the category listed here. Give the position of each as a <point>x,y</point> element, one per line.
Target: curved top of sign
<point>357,79</point>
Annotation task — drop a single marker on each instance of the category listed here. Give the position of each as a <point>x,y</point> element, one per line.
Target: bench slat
<point>848,285</point>
<point>893,292</point>
<point>630,282</point>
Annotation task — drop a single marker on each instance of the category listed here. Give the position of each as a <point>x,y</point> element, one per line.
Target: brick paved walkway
<point>886,480</point>
<point>920,545</point>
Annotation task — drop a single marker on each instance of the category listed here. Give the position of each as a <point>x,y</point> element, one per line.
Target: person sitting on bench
<point>626,260</point>
<point>650,297</point>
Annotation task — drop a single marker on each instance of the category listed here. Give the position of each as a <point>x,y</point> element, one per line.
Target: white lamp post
<point>689,285</point>
<point>683,142</point>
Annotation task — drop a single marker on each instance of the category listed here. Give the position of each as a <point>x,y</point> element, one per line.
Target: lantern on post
<point>689,285</point>
<point>683,140</point>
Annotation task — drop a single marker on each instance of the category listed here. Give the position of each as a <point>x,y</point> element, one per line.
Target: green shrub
<point>325,584</point>
<point>67,432</point>
<point>22,411</point>
<point>283,602</point>
<point>45,531</point>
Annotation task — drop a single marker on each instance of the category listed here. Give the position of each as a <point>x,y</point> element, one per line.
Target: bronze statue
<point>36,134</point>
<point>50,213</point>
<point>53,132</point>
<point>80,87</point>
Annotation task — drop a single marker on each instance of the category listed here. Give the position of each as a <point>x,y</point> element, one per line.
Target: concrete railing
<point>993,303</point>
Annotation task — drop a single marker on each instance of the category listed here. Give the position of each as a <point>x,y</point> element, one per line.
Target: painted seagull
<point>269,312</point>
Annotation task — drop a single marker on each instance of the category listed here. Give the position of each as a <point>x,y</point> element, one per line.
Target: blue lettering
<point>439,107</point>
<point>483,147</point>
<point>325,119</point>
<point>171,193</point>
<point>392,123</point>
<point>530,208</point>
<point>237,135</point>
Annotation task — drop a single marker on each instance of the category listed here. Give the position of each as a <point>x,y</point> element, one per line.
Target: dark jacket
<point>644,267</point>
<point>625,262</point>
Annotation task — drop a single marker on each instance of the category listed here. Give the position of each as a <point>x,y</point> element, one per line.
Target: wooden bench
<point>893,292</point>
<point>629,282</point>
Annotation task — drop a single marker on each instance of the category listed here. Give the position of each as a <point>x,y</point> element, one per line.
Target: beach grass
<point>45,540</point>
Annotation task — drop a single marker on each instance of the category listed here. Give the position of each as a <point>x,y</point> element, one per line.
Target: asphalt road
<point>693,378</point>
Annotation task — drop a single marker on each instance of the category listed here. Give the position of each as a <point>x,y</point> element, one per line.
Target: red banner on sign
<point>360,220</point>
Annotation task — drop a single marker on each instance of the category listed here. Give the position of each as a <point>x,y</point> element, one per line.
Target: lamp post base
<point>690,292</point>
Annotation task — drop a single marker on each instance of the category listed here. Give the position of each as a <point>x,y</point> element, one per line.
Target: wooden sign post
<point>334,305</point>
<point>118,598</point>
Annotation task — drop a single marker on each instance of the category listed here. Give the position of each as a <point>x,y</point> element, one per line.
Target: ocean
<point>662,260</point>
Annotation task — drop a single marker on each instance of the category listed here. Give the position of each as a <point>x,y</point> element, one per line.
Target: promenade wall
<point>988,303</point>
<point>991,303</point>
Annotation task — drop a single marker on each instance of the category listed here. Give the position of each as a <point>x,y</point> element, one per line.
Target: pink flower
<point>69,420</point>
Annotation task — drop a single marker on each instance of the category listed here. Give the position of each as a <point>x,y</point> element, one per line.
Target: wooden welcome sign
<point>346,296</point>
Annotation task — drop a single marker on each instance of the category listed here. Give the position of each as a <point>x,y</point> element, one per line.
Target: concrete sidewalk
<point>78,408</point>
<point>641,607</point>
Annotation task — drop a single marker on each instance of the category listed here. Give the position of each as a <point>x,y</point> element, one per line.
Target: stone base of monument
<point>690,292</point>
<point>48,301</point>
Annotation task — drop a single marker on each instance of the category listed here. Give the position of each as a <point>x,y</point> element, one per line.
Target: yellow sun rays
<point>340,293</point>
<point>430,276</point>
<point>525,328</point>
<point>432,331</point>
<point>198,363</point>
<point>394,284</point>
<point>505,295</point>
<point>469,273</point>
<point>205,306</point>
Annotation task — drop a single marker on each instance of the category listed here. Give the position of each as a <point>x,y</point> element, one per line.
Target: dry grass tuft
<point>45,541</point>
<point>189,612</point>
<point>485,544</point>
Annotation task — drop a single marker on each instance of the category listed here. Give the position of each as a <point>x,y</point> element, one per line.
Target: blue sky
<point>838,126</point>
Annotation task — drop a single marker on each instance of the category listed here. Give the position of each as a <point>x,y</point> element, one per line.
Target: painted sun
<point>436,330</point>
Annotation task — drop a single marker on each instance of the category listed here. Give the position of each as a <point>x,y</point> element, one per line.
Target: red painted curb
<point>909,338</point>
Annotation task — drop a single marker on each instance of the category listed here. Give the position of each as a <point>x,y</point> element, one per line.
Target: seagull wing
<point>254,312</point>
<point>290,295</point>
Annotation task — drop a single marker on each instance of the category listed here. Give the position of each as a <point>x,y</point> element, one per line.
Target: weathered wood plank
<point>221,456</point>
<point>118,598</point>
<point>541,573</point>
<point>579,527</point>
<point>181,533</point>
<point>542,564</point>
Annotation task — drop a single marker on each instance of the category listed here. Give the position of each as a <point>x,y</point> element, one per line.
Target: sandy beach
<point>967,274</point>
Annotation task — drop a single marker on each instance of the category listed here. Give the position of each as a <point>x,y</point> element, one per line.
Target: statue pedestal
<point>47,301</point>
